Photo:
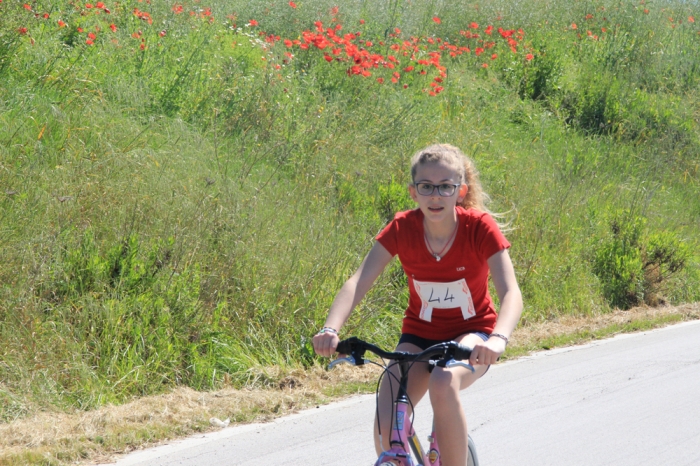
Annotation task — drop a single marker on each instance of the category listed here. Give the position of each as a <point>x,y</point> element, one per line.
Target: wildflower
<point>113,27</point>
<point>92,35</point>
<point>474,26</point>
<point>478,51</point>
<point>380,80</point>
<point>646,11</point>
<point>573,26</point>
<point>334,10</point>
<point>292,4</point>
<point>46,16</point>
<point>408,69</point>
<point>589,16</point>
<point>691,19</point>
<point>494,56</point>
<point>143,46</point>
<point>287,43</point>
<point>61,24</point>
<point>529,57</point>
<point>405,86</point>
<point>89,42</point>
<point>328,58</point>
<point>489,30</point>
<point>484,65</point>
<point>362,21</point>
<point>22,30</point>
<point>437,20</point>
<point>253,22</point>
<point>162,33</point>
<point>100,5</point>
<point>27,7</point>
<point>88,5</point>
<point>177,9</point>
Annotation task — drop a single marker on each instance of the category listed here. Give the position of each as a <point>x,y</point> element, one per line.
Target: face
<point>437,208</point>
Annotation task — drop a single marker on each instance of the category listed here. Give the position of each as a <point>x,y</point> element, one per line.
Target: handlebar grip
<point>344,347</point>
<point>462,352</point>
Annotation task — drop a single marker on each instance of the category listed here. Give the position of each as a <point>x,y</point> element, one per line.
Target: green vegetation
<point>180,200</point>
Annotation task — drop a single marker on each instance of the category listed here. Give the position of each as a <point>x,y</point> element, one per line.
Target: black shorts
<point>424,343</point>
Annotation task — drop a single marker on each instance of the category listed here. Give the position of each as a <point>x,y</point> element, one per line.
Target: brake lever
<point>347,359</point>
<point>455,363</point>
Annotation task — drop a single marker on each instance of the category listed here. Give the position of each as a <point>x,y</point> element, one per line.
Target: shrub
<point>634,267</point>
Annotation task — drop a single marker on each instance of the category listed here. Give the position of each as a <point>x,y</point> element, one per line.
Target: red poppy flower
<point>162,33</point>
<point>100,5</point>
<point>113,27</point>
<point>474,26</point>
<point>92,35</point>
<point>328,58</point>
<point>489,30</point>
<point>529,57</point>
<point>253,22</point>
<point>292,4</point>
<point>22,30</point>
<point>88,5</point>
<point>494,56</point>
<point>484,65</point>
<point>437,20</point>
<point>61,24</point>
<point>177,9</point>
<point>27,7</point>
<point>691,19</point>
<point>45,16</point>
<point>478,51</point>
<point>362,21</point>
<point>646,11</point>
<point>380,80</point>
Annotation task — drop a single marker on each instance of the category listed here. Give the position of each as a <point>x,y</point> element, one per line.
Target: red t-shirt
<point>449,297</point>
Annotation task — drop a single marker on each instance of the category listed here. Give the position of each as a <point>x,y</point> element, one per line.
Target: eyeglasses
<point>445,190</point>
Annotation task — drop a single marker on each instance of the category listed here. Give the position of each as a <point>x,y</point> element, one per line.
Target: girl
<point>447,247</point>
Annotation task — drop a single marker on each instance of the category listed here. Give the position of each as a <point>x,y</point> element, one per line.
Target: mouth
<point>436,209</point>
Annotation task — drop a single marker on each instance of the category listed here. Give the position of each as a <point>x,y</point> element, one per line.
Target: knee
<point>443,388</point>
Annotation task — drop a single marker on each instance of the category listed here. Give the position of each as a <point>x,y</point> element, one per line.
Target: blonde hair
<point>450,155</point>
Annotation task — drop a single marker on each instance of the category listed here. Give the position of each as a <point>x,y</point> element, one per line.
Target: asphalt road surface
<point>630,400</point>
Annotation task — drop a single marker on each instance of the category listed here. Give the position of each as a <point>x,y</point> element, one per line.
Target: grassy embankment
<point>181,200</point>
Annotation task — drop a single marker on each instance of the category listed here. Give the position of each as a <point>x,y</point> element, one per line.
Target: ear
<point>463,190</point>
<point>413,193</point>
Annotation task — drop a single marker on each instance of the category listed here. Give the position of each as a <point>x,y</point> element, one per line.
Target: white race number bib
<point>444,296</point>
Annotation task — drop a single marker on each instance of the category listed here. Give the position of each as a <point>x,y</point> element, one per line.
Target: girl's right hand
<point>325,343</point>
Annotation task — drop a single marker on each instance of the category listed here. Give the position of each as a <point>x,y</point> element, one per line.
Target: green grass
<point>184,214</point>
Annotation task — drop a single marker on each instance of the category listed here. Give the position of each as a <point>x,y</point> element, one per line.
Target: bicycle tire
<point>472,458</point>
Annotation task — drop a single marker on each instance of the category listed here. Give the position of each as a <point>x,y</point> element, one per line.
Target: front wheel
<point>472,459</point>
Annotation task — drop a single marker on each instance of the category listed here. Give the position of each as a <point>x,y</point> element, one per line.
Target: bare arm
<point>350,295</point>
<point>503,276</point>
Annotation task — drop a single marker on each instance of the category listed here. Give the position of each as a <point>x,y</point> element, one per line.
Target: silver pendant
<point>437,257</point>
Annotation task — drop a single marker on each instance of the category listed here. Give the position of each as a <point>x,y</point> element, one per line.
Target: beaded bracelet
<point>327,330</point>
<point>498,335</point>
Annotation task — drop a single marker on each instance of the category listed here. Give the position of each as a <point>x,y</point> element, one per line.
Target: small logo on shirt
<point>459,269</point>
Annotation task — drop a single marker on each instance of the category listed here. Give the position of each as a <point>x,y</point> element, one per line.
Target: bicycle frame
<point>405,448</point>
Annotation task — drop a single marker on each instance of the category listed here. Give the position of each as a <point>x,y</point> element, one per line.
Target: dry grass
<point>60,438</point>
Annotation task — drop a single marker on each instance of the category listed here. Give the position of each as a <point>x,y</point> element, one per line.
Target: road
<point>629,400</point>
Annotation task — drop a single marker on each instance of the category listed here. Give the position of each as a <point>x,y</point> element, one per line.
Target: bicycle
<point>448,354</point>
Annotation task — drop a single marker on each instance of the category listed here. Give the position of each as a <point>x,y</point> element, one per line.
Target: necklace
<point>438,255</point>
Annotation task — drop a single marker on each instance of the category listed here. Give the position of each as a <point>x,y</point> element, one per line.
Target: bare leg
<point>450,421</point>
<point>417,387</point>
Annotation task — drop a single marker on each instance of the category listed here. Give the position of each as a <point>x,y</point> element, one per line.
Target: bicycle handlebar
<point>442,352</point>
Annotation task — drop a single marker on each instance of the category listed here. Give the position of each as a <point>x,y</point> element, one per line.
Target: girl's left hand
<point>487,352</point>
